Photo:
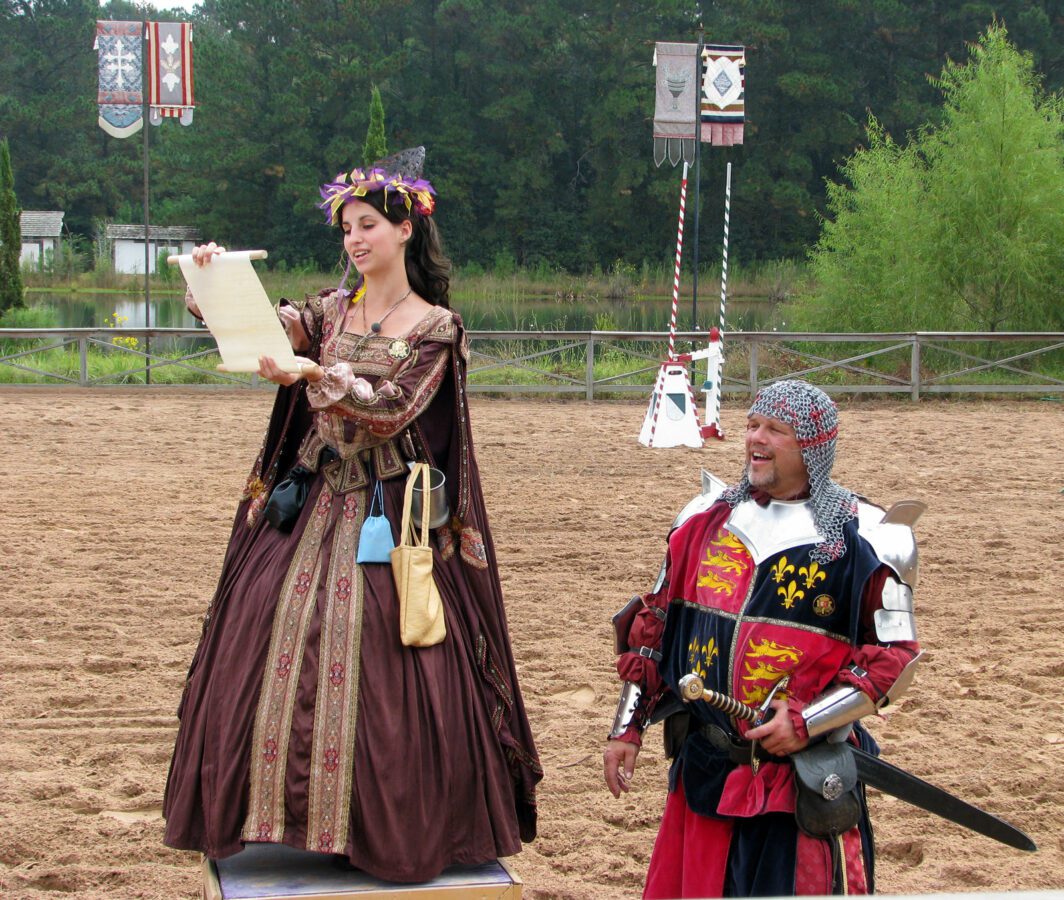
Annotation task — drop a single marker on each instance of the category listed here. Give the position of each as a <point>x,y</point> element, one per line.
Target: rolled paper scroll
<point>237,311</point>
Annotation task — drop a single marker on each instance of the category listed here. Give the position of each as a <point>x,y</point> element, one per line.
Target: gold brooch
<point>399,349</point>
<point>824,605</point>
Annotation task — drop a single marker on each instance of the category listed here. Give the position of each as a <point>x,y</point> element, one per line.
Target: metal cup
<point>439,512</point>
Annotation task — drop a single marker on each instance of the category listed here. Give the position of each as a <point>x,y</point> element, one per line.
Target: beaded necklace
<point>375,327</point>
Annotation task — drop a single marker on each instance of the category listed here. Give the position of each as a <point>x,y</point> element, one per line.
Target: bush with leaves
<point>961,228</point>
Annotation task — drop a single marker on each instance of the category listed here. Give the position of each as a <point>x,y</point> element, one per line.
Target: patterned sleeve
<point>312,312</point>
<point>398,396</point>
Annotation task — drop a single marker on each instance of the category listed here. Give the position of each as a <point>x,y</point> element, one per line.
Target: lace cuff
<point>336,385</point>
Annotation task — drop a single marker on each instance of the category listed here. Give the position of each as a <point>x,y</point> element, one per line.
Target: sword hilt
<point>692,687</point>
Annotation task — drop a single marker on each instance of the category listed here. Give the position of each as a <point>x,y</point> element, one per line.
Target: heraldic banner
<point>170,71</point>
<point>121,85</point>
<point>675,102</point>
<point>723,94</point>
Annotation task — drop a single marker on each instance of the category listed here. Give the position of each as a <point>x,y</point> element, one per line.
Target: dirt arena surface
<point>116,504</point>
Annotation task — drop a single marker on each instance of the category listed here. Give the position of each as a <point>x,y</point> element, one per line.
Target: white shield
<point>722,82</point>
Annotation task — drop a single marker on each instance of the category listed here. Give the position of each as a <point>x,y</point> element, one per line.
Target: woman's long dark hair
<point>427,267</point>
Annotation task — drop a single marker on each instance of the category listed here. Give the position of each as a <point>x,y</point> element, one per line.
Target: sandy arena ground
<point>114,514</point>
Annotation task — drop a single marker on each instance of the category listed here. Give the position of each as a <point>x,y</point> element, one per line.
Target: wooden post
<point>914,369</point>
<point>753,367</point>
<point>589,373</point>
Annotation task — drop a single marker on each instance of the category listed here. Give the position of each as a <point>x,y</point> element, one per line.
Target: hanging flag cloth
<point>723,94</point>
<point>675,103</point>
<point>170,67</point>
<point>121,85</point>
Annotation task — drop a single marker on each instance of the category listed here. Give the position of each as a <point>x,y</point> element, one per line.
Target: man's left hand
<point>778,735</point>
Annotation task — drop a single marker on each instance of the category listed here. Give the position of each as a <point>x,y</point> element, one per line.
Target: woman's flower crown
<point>417,195</point>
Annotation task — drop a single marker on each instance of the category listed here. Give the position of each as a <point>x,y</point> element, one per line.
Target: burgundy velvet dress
<point>304,720</point>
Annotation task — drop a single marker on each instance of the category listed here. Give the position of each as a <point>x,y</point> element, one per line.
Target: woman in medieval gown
<point>304,719</point>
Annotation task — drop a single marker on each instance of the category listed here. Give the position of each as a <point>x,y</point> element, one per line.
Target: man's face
<point>774,461</point>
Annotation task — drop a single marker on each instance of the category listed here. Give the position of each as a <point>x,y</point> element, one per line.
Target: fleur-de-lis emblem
<point>813,573</point>
<point>700,656</point>
<point>790,594</point>
<point>781,570</point>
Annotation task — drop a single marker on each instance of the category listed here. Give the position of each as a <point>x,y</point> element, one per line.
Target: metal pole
<point>147,242</point>
<point>698,161</point>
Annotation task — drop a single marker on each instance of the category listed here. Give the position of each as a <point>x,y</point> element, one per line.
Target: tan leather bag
<point>421,619</point>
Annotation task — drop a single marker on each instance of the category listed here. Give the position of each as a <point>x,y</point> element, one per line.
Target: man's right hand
<point>618,762</point>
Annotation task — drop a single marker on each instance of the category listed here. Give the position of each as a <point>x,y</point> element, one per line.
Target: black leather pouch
<point>287,499</point>
<point>826,776</point>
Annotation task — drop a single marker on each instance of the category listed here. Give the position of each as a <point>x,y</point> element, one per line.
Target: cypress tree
<point>10,235</point>
<point>376,147</point>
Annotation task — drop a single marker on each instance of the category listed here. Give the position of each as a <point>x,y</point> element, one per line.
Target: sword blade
<point>880,774</point>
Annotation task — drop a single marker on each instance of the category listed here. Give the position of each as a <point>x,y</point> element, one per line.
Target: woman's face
<point>374,244</point>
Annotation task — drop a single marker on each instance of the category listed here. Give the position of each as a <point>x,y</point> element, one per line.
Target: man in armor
<point>792,596</point>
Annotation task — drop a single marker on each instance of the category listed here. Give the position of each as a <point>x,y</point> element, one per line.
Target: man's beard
<point>764,479</point>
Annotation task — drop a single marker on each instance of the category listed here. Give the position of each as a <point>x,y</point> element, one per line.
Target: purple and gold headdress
<point>399,176</point>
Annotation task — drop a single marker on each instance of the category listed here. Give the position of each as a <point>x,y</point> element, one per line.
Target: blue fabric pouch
<point>375,542</point>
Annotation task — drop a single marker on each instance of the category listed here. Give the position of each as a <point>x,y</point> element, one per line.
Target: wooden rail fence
<point>590,364</point>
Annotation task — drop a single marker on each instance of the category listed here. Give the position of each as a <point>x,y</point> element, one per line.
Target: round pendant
<point>399,349</point>
<point>824,605</point>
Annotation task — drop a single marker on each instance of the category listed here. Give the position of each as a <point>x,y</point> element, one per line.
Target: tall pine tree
<point>376,146</point>
<point>10,235</point>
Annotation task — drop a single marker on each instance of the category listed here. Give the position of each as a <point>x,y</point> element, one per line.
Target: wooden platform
<point>276,872</point>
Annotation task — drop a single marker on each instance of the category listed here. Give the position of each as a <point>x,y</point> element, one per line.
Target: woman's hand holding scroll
<point>308,369</point>
<point>201,255</point>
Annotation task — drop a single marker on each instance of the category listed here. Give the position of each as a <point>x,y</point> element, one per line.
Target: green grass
<point>107,365</point>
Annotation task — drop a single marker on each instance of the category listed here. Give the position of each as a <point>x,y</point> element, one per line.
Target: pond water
<point>88,310</point>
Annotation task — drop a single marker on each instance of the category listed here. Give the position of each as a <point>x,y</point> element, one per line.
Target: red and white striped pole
<point>719,373</point>
<point>676,271</point>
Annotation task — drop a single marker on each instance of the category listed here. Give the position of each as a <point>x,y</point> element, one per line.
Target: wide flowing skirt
<point>426,776</point>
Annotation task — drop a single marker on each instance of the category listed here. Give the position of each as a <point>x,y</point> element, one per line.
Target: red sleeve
<point>874,666</point>
<point>882,663</point>
<point>640,662</point>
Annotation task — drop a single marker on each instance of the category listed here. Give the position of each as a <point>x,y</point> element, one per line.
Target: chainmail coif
<point>814,417</point>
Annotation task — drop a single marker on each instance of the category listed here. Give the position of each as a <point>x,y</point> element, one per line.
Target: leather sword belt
<point>736,748</point>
